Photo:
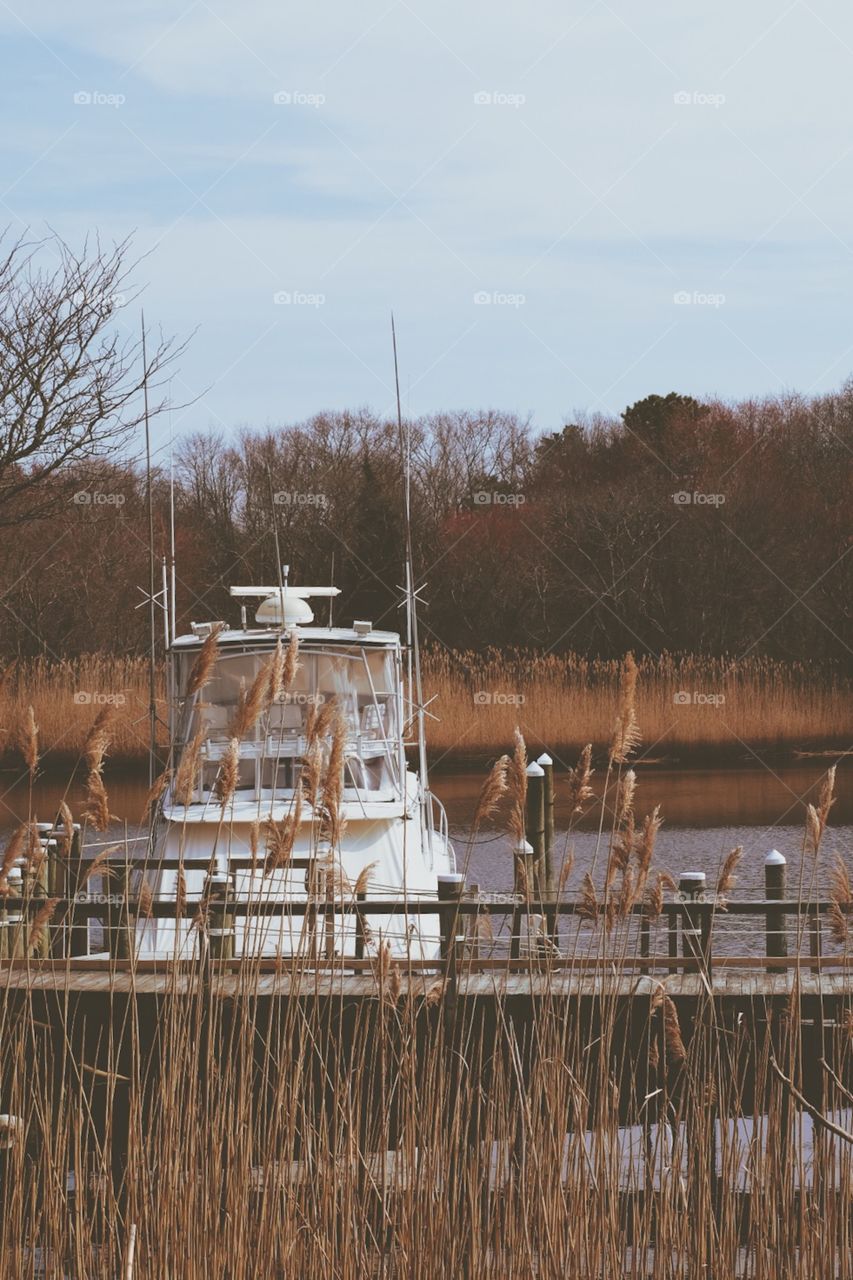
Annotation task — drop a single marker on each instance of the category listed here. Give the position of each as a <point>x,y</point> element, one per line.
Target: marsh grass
<point>563,701</point>
<point>276,1120</point>
<point>406,1134</point>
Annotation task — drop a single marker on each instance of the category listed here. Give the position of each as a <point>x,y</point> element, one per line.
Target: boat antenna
<point>173,569</point>
<point>411,597</point>
<point>152,657</point>
<point>278,564</point>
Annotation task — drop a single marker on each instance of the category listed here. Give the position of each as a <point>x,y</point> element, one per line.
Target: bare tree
<point>70,381</point>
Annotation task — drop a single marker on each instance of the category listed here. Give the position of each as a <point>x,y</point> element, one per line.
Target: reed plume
<point>99,865</point>
<point>645,846</point>
<point>65,823</point>
<point>38,928</point>
<point>517,786</point>
<point>259,697</point>
<point>144,900</point>
<point>653,904</point>
<point>281,837</point>
<point>291,661</point>
<point>676,1053</point>
<point>625,796</point>
<point>203,666</point>
<point>186,774</point>
<point>28,741</point>
<point>155,793</point>
<point>727,877</point>
<point>841,895</point>
<point>228,774</point>
<point>587,906</point>
<point>626,731</point>
<point>492,791</point>
<point>275,676</point>
<point>580,790</point>
<point>333,822</point>
<point>817,816</point>
<point>363,878</point>
<point>97,810</point>
<point>565,871</point>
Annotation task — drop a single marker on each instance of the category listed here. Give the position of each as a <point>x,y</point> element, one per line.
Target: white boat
<point>217,834</point>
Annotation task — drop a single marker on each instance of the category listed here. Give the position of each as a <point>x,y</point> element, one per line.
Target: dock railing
<point>480,931</point>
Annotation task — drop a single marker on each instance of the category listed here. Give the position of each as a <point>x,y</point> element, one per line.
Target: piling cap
<point>545,760</point>
<point>697,876</point>
<point>775,859</point>
<point>450,877</point>
<point>523,849</point>
<point>535,770</point>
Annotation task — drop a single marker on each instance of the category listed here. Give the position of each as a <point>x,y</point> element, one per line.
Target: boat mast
<point>411,595</point>
<point>152,657</point>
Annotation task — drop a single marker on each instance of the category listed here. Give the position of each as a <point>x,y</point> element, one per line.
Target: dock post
<point>691,888</point>
<point>534,826</point>
<point>221,928</point>
<point>451,886</point>
<point>360,930</point>
<point>57,887</point>
<point>775,869</point>
<point>78,927</point>
<point>16,919</point>
<point>523,859</point>
<point>547,765</point>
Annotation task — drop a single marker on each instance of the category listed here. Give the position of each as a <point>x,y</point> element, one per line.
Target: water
<point>706,813</point>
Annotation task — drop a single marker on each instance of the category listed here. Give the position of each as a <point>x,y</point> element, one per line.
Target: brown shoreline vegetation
<point>562,700</point>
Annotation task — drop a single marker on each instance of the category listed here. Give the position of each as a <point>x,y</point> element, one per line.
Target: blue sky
<point>648,197</point>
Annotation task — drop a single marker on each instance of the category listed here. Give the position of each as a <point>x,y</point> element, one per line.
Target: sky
<point>567,206</point>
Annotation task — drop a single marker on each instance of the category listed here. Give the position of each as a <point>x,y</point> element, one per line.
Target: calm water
<point>706,812</point>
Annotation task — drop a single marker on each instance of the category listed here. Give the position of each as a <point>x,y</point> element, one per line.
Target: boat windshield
<point>362,683</point>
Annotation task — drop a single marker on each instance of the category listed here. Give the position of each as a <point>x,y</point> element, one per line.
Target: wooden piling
<point>775,877</point>
<point>534,826</point>
<point>546,764</point>
<point>523,859</point>
<point>691,889</point>
<point>220,930</point>
<point>78,941</point>
<point>451,886</point>
<point>16,918</point>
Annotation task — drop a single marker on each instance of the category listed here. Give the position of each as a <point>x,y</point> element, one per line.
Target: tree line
<point>711,527</point>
